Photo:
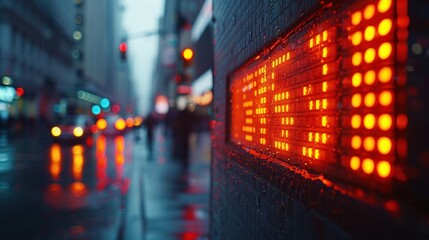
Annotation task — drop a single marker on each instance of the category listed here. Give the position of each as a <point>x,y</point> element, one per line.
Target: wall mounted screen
<point>329,95</point>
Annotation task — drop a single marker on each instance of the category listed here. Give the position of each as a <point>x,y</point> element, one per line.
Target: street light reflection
<point>55,162</point>
<point>78,189</point>
<point>119,156</point>
<point>78,161</point>
<point>101,173</point>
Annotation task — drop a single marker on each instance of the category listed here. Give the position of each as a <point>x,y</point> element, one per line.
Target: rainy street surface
<point>105,188</point>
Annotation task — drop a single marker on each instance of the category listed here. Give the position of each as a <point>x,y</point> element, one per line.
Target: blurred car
<point>76,127</point>
<point>111,125</point>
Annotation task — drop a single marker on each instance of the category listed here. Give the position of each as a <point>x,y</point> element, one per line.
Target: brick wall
<point>260,197</point>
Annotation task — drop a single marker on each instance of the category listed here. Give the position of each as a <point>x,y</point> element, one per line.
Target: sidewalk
<point>174,198</point>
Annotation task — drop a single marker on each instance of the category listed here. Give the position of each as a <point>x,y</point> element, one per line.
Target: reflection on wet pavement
<point>110,188</point>
<point>176,194</point>
<point>62,190</point>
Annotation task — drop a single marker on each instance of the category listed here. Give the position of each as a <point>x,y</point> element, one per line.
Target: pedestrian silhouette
<point>149,123</point>
<point>182,128</point>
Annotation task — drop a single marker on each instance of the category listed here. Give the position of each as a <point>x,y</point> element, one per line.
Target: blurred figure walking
<point>182,127</point>
<point>149,124</point>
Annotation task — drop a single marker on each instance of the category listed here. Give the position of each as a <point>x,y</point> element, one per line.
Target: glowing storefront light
<point>303,105</point>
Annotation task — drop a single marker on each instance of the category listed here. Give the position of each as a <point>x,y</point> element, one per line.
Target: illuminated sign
<point>90,97</point>
<point>7,94</point>
<point>328,95</point>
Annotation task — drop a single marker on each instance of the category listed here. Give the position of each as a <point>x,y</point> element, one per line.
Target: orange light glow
<point>78,132</point>
<point>120,143</point>
<point>129,122</point>
<point>356,79</point>
<point>385,74</point>
<point>401,121</point>
<point>325,52</point>
<point>369,121</point>
<point>384,5</point>
<point>385,122</point>
<point>369,34</point>
<point>357,59</point>
<point>78,189</point>
<point>77,149</point>
<point>55,153</point>
<point>356,142</point>
<point>369,99</point>
<point>356,121</point>
<point>369,55</point>
<point>369,77</point>
<point>55,164</point>
<point>385,50</point>
<point>120,124</point>
<point>369,144</point>
<point>356,18</point>
<point>369,12</point>
<point>325,69</point>
<point>355,163</point>
<point>356,38</point>
<point>384,27</point>
<point>402,147</point>
<point>384,145</point>
<point>56,131</point>
<point>187,54</point>
<point>385,98</point>
<point>329,92</point>
<point>101,124</point>
<point>138,121</point>
<point>78,162</point>
<point>356,100</point>
<point>383,169</point>
<point>368,166</point>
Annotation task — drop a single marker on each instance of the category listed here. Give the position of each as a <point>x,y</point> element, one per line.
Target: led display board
<point>329,95</point>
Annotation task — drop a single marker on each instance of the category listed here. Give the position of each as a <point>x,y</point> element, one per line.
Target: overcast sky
<point>142,16</point>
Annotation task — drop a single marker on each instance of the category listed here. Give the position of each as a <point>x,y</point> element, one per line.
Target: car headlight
<point>56,131</point>
<point>77,131</point>
<point>120,124</point>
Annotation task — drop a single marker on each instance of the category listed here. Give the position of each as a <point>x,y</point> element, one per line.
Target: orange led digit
<point>356,100</point>
<point>369,76</point>
<point>356,142</point>
<point>355,163</point>
<point>356,18</point>
<point>368,165</point>
<point>385,74</point>
<point>356,79</point>
<point>369,12</point>
<point>383,168</point>
<point>325,98</point>
<point>384,27</point>
<point>369,34</point>
<point>384,5</point>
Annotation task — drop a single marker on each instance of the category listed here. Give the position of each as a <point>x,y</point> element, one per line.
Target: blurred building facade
<point>53,50</point>
<point>186,24</point>
<point>99,68</point>
<point>35,56</point>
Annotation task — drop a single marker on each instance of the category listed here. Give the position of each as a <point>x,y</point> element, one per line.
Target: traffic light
<point>123,47</point>
<point>187,57</point>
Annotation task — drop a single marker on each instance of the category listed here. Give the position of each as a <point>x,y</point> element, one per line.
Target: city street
<point>105,188</point>
<point>214,119</point>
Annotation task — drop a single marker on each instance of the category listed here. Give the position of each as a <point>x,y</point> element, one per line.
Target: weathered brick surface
<point>257,197</point>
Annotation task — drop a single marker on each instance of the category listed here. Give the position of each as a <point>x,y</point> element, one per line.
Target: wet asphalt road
<point>105,188</point>
<point>63,190</point>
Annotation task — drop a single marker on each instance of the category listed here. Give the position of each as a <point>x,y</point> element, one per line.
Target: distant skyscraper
<point>35,55</point>
<point>99,68</point>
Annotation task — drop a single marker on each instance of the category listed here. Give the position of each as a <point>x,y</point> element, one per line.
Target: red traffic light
<point>123,47</point>
<point>19,91</point>
<point>123,50</point>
